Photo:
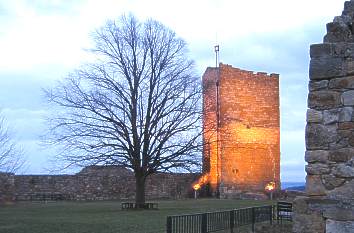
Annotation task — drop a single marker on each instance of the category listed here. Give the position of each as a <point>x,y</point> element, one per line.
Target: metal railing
<point>222,220</point>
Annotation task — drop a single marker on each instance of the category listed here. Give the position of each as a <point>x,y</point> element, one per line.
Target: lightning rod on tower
<point>216,49</point>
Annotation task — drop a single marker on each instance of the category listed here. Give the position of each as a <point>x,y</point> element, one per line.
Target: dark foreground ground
<point>107,216</point>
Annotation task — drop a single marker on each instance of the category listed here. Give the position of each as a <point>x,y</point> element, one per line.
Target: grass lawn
<point>103,216</point>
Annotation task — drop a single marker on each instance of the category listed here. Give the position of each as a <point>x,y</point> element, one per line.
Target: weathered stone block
<point>318,136</point>
<point>331,182</point>
<point>351,139</point>
<point>351,162</point>
<point>330,116</point>
<point>343,192</point>
<point>349,13</point>
<point>349,67</point>
<point>308,223</point>
<point>326,68</point>
<point>345,114</point>
<point>337,32</point>
<point>324,100</point>
<point>342,83</point>
<point>346,126</point>
<point>348,98</point>
<point>348,7</point>
<point>344,133</point>
<point>317,169</point>
<point>320,50</point>
<point>342,49</point>
<point>319,204</point>
<point>300,205</point>
<point>340,213</point>
<point>314,116</point>
<point>344,170</point>
<point>314,186</point>
<point>318,85</point>
<point>343,19</point>
<point>340,143</point>
<point>341,155</point>
<point>339,226</point>
<point>316,156</point>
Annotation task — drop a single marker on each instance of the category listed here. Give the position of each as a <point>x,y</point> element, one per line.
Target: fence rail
<point>222,220</point>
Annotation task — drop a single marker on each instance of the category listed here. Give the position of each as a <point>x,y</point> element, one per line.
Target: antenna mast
<point>216,49</point>
<point>218,154</point>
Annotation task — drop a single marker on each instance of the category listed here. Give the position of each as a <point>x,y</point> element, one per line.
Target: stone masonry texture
<point>7,188</point>
<point>329,204</point>
<point>241,149</point>
<point>94,183</point>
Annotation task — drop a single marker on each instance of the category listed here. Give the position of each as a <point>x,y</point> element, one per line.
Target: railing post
<point>169,224</point>
<point>232,217</point>
<point>271,214</point>
<point>253,218</point>
<point>204,223</point>
<point>277,211</point>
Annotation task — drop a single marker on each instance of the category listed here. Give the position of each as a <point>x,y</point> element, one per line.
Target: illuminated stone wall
<point>242,153</point>
<point>329,205</point>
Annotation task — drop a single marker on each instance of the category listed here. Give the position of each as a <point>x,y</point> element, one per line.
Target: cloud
<point>54,7</point>
<point>27,123</point>
<point>292,155</point>
<point>27,126</point>
<point>33,39</point>
<point>41,41</point>
<point>292,172</point>
<point>22,90</point>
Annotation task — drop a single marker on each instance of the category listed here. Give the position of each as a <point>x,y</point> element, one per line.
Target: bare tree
<point>137,106</point>
<point>11,156</point>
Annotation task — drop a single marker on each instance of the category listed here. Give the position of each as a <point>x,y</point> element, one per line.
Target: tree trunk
<point>140,191</point>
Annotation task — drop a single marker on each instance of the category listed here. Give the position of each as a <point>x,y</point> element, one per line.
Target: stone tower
<point>241,130</point>
<point>329,205</point>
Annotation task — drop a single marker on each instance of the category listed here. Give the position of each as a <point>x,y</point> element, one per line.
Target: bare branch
<point>138,106</point>
<point>11,156</point>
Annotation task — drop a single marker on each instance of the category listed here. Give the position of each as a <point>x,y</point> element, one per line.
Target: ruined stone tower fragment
<point>241,129</point>
<point>329,205</point>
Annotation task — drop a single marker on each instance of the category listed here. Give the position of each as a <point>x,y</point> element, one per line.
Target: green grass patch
<point>103,216</point>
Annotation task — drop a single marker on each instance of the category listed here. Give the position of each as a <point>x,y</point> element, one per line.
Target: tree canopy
<point>138,105</point>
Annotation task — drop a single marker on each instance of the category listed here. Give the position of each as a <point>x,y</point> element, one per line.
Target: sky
<point>41,41</point>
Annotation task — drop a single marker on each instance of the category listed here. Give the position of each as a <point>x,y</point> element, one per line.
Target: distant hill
<point>298,186</point>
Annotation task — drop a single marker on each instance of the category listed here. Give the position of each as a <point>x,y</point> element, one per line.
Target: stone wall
<point>7,188</point>
<point>329,205</point>
<point>242,150</point>
<point>98,183</point>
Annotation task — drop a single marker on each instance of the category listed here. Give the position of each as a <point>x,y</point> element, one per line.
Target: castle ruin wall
<point>329,204</point>
<point>95,183</point>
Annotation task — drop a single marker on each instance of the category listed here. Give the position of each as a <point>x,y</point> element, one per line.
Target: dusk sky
<point>41,41</point>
